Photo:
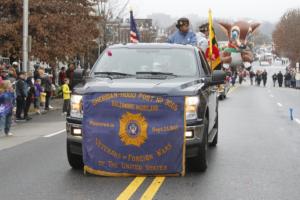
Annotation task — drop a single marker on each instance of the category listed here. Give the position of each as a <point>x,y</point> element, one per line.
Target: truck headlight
<point>76,106</point>
<point>191,107</point>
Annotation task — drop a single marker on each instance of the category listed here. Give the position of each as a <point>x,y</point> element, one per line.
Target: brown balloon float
<point>238,52</point>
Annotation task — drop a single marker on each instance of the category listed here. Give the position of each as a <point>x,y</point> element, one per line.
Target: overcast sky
<point>269,10</point>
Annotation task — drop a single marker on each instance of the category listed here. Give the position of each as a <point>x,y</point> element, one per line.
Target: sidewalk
<point>57,104</point>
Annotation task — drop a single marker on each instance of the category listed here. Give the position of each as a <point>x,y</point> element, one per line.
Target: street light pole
<point>25,34</point>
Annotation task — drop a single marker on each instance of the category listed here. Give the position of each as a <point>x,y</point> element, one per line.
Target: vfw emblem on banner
<point>128,134</point>
<point>133,129</point>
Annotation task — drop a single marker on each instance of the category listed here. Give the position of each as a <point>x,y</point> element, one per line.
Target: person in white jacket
<point>202,37</point>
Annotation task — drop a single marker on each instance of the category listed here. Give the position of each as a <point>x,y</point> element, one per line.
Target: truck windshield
<point>179,62</point>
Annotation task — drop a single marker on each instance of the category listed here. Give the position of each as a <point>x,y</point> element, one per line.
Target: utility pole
<point>25,35</point>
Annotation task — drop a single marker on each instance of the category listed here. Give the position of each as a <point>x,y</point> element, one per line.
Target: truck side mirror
<point>79,76</point>
<point>218,77</point>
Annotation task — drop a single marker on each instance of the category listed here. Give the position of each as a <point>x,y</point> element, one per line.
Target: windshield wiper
<point>156,73</point>
<point>112,74</point>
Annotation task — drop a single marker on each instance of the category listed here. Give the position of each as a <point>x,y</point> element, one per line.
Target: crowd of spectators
<point>20,91</point>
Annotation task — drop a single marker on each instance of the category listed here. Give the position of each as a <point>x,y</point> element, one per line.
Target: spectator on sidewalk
<point>274,77</point>
<point>36,73</point>
<point>62,76</point>
<point>287,79</point>
<point>21,93</point>
<point>293,79</point>
<point>233,78</point>
<point>6,105</point>
<point>37,95</point>
<point>39,73</point>
<point>70,75</point>
<point>252,75</point>
<point>241,77</point>
<point>264,76</point>
<point>67,96</point>
<point>2,107</point>
<point>12,73</point>
<point>48,90</point>
<point>4,75</point>
<point>30,95</point>
<point>258,77</point>
<point>53,73</point>
<point>280,78</point>
<point>16,67</point>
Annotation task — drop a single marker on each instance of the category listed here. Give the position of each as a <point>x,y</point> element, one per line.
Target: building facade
<point>118,31</point>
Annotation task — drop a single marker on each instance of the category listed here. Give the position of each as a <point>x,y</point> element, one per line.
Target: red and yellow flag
<point>213,52</point>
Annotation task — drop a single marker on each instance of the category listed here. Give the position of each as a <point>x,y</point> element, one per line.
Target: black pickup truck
<point>159,69</point>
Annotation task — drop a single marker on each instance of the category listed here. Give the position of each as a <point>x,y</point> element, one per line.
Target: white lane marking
<point>279,104</point>
<point>54,134</point>
<point>297,120</point>
<point>272,96</point>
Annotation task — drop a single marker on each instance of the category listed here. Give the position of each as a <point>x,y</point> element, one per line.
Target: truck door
<point>212,93</point>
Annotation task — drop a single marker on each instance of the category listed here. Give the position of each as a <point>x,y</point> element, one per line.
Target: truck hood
<point>179,86</point>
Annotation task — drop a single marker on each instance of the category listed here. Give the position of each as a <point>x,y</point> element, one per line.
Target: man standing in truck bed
<point>183,35</point>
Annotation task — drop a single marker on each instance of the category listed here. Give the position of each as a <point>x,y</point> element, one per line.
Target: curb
<point>43,112</point>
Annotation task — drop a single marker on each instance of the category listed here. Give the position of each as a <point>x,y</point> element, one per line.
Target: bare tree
<point>286,36</point>
<point>109,10</point>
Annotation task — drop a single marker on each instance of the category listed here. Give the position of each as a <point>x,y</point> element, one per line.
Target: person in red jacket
<point>62,76</point>
<point>70,75</point>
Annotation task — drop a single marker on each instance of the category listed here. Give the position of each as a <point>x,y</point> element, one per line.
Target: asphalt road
<point>257,157</point>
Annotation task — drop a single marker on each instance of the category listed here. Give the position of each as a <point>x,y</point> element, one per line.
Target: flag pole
<point>210,22</point>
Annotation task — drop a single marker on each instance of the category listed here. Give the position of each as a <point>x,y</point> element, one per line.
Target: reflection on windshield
<point>181,62</point>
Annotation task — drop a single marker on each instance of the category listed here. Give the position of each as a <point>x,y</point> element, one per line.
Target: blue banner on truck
<point>128,134</point>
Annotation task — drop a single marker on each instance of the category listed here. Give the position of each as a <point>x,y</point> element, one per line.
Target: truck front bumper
<point>194,130</point>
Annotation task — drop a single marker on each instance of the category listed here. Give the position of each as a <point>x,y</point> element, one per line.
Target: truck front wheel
<point>200,162</point>
<point>75,161</point>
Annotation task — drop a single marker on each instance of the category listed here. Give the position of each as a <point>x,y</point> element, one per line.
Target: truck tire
<point>216,126</point>
<point>200,162</point>
<point>75,161</point>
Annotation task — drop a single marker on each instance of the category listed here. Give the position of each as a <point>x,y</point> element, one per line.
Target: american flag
<point>134,33</point>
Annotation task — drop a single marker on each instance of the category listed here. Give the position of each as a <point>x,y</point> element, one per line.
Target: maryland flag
<point>213,53</point>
